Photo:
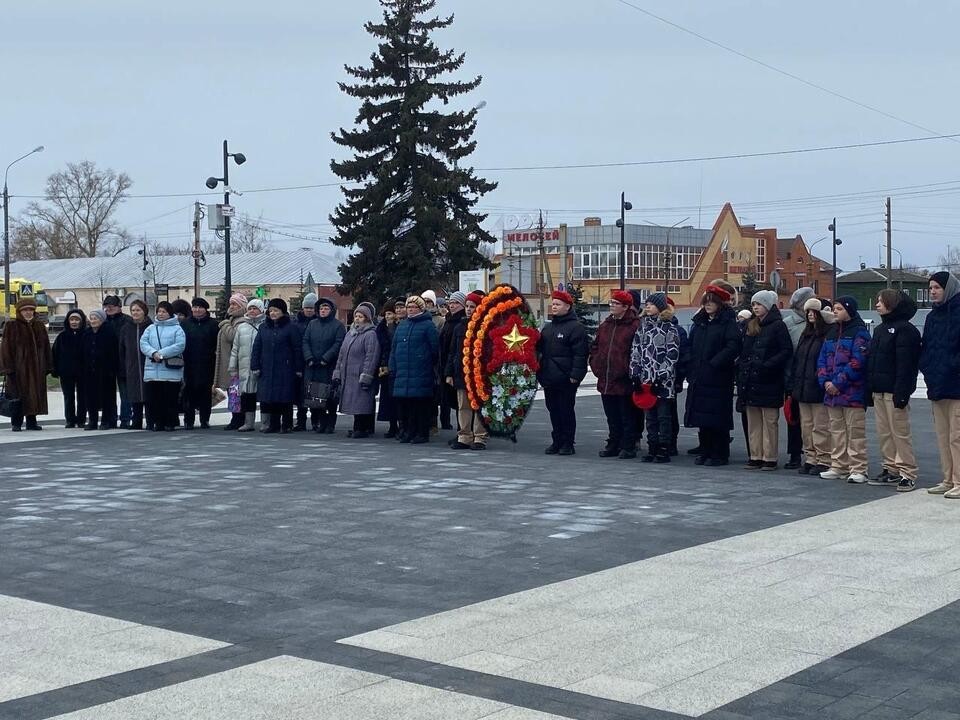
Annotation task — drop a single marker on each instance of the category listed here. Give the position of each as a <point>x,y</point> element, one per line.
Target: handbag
<point>9,406</point>
<point>174,363</point>
<point>319,395</point>
<point>233,395</point>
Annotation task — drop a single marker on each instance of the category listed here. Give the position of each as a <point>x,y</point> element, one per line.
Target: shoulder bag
<point>174,363</point>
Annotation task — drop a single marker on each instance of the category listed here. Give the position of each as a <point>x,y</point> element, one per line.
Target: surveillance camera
<point>212,183</point>
<point>239,158</point>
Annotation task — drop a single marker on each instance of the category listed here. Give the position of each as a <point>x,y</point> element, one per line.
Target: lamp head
<point>38,148</point>
<point>830,227</point>
<point>619,223</point>
<point>239,158</point>
<point>839,241</point>
<point>212,183</point>
<point>627,205</point>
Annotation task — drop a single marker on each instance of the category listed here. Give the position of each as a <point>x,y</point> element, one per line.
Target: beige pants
<point>946,421</point>
<point>471,427</point>
<point>848,430</point>
<point>893,430</point>
<point>815,431</point>
<point>763,427</point>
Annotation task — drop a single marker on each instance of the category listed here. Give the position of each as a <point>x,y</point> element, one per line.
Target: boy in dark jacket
<point>562,348</point>
<point>610,362</point>
<point>892,365</point>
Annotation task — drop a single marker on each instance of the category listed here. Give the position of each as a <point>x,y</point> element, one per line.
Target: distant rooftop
<point>872,275</point>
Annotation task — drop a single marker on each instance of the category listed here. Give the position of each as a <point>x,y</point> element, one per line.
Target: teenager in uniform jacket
<point>711,370</point>
<point>653,361</point>
<point>892,365</point>
<point>940,365</point>
<point>610,362</point>
<point>842,372</point>
<point>563,347</point>
<point>805,389</point>
<point>761,378</point>
<point>68,367</point>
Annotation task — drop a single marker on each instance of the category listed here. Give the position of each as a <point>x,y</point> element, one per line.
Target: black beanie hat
<point>849,304</point>
<point>200,302</point>
<point>941,278</point>
<point>278,303</point>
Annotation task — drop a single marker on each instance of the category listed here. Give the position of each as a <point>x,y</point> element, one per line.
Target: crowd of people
<point>815,362</point>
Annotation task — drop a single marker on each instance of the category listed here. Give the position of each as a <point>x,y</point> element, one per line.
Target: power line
<point>709,158</point>
<point>781,71</point>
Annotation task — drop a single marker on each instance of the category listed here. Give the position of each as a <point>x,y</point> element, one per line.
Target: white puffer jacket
<point>246,333</point>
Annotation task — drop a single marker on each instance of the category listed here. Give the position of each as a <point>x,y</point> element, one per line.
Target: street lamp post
<point>890,249</point>
<point>240,159</point>
<point>832,227</point>
<point>621,223</point>
<point>6,227</point>
<point>666,258</point>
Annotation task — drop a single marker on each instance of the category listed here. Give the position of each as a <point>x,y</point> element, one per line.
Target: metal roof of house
<point>873,275</point>
<point>264,268</point>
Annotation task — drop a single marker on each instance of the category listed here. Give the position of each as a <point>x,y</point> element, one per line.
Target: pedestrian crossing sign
<point>26,290</point>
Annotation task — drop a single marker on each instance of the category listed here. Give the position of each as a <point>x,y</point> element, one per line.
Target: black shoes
<point>419,440</point>
<point>457,445</point>
<point>753,465</point>
<point>627,454</point>
<point>806,469</point>
<point>566,450</point>
<point>610,451</point>
<point>700,460</point>
<point>769,466</point>
<point>793,464</point>
<point>717,462</point>
<point>478,446</point>
<point>553,449</point>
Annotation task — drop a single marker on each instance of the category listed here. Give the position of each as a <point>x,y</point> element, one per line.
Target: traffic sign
<point>26,290</point>
<point>227,210</point>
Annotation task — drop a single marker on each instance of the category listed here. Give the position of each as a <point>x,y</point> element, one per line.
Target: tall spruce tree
<point>412,219</point>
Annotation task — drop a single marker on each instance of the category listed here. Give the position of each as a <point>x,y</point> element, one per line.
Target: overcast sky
<point>153,89</point>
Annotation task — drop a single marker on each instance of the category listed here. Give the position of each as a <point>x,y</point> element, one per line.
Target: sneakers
<point>566,450</point>
<point>769,466</point>
<point>857,478</point>
<point>793,464</point>
<point>627,454</point>
<point>753,465</point>
<point>885,479</point>
<point>457,445</point>
<point>953,494</point>
<point>831,474</point>
<point>940,489</point>
<point>478,446</point>
<point>906,485</point>
<point>805,469</point>
<point>610,451</point>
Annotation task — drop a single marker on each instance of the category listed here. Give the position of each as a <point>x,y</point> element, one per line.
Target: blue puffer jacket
<point>416,346</point>
<point>940,349</point>
<point>167,338</point>
<point>843,361</point>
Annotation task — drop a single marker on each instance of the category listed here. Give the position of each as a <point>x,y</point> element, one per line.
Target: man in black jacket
<point>200,358</point>
<point>118,322</point>
<point>562,350</point>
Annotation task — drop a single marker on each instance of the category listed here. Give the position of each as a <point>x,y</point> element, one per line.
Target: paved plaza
<point>227,576</point>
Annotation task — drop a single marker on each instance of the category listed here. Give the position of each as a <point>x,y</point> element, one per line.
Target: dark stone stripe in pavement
<point>134,682</point>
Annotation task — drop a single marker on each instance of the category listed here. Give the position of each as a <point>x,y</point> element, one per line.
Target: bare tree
<point>77,219</point>
<point>249,236</point>
<point>32,239</point>
<point>915,269</point>
<point>951,259</point>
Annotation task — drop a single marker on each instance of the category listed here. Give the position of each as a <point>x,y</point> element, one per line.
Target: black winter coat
<point>563,348</point>
<point>711,369</point>
<point>446,340</point>
<point>761,374</point>
<point>101,363</point>
<point>321,347</point>
<point>278,356</point>
<point>200,355</point>
<point>940,354</point>
<point>68,349</point>
<point>894,357</point>
<point>454,364</point>
<point>131,359</point>
<point>804,384</point>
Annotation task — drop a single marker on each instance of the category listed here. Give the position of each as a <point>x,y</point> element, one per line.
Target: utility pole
<point>146,262</point>
<point>832,227</point>
<point>545,274</point>
<point>889,247</point>
<point>196,249</point>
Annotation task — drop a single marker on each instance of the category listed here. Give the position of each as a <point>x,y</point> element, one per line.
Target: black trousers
<point>659,424</point>
<point>416,415</point>
<point>675,418</point>
<point>161,405</point>
<point>794,435</point>
<point>74,400</point>
<point>363,423</point>
<point>448,403</point>
<point>198,401</point>
<point>281,415</point>
<point>621,421</point>
<point>248,402</point>
<point>746,432</point>
<point>560,401</point>
<point>715,443</point>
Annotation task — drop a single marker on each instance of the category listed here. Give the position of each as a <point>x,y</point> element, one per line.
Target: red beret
<point>562,296</point>
<point>622,297</point>
<point>719,292</point>
<point>475,297</point>
<point>670,301</point>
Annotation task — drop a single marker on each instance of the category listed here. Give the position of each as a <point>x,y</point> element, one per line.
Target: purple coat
<point>357,370</point>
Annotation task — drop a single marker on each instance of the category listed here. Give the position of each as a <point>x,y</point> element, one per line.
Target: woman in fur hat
<point>25,361</point>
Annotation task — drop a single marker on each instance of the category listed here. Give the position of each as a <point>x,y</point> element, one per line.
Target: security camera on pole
<point>240,159</point>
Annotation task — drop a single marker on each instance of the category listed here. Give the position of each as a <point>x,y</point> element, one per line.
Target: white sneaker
<point>857,478</point>
<point>831,474</point>
<point>939,489</point>
<point>953,494</point>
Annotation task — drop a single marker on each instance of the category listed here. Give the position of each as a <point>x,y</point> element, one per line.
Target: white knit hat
<point>257,303</point>
<point>429,295</point>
